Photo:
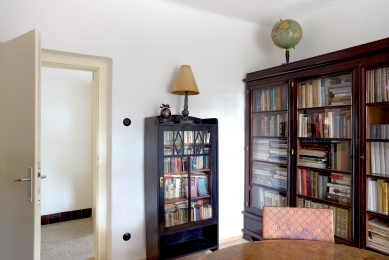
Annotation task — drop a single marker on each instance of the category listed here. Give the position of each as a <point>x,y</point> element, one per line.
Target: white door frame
<point>102,70</point>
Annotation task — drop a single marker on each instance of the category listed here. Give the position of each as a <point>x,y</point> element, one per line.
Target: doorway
<point>66,156</point>
<point>99,69</point>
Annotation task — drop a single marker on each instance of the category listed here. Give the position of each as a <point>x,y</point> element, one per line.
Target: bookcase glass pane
<point>324,154</point>
<point>270,98</point>
<point>270,175</point>
<point>187,176</point>
<point>376,191</point>
<point>377,85</point>
<point>341,215</point>
<point>261,196</point>
<point>377,158</point>
<point>331,186</point>
<point>272,150</point>
<point>327,91</point>
<point>270,124</point>
<point>186,142</point>
<point>325,123</point>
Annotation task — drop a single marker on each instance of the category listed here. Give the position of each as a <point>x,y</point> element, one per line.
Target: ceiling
<point>266,12</point>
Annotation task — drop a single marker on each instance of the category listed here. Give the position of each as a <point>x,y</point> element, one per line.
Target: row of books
<point>270,175</point>
<point>271,125</point>
<point>261,196</point>
<point>185,149</point>
<point>273,98</point>
<point>379,158</point>
<point>330,186</point>
<point>341,216</point>
<point>324,154</point>
<point>177,213</point>
<point>334,123</point>
<point>377,88</point>
<point>378,131</point>
<point>378,234</point>
<point>325,92</point>
<point>187,137</point>
<point>272,150</point>
<point>377,191</point>
<point>180,164</point>
<point>177,186</point>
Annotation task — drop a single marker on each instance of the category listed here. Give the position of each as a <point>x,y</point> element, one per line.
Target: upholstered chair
<point>298,223</point>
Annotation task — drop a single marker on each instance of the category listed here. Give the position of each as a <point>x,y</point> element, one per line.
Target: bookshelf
<point>268,146</point>
<point>181,186</point>
<point>337,141</point>
<point>377,158</point>
<point>323,172</point>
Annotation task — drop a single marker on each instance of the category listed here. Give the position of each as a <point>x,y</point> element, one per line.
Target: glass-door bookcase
<point>267,179</point>
<point>181,186</point>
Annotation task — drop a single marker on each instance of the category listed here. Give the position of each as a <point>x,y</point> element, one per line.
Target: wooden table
<point>292,249</point>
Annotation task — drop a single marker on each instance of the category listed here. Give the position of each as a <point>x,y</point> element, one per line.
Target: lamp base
<point>183,120</point>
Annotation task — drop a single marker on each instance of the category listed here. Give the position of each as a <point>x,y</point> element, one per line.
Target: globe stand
<point>287,56</point>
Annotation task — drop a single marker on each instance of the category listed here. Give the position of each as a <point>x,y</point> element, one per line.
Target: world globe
<point>286,34</point>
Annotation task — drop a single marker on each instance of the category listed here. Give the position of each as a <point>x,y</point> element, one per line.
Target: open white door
<point>19,147</point>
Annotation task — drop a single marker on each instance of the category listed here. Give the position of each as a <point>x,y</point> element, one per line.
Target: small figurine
<point>165,112</point>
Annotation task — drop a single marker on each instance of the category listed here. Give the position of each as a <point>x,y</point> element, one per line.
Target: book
<point>382,158</point>
<point>379,195</point>
<point>377,158</point>
<point>334,215</point>
<point>338,230</point>
<point>372,155</point>
<point>317,125</point>
<point>331,124</point>
<point>372,194</point>
<point>386,155</point>
<point>193,187</point>
<point>202,186</point>
<point>384,187</point>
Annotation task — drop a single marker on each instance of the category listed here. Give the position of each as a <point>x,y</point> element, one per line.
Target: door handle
<point>20,180</point>
<point>43,176</point>
<point>29,179</point>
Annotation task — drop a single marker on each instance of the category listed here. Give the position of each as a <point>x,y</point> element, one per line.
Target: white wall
<point>337,26</point>
<point>148,41</point>
<point>66,140</point>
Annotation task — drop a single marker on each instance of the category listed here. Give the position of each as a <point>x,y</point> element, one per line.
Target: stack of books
<point>378,234</point>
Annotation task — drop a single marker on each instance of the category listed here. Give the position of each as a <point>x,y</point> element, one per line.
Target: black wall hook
<point>126,236</point>
<point>126,121</point>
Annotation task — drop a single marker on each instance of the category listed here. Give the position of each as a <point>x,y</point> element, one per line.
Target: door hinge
<point>247,148</point>
<point>247,204</point>
<point>292,84</point>
<point>292,151</point>
<point>161,182</point>
<point>248,91</point>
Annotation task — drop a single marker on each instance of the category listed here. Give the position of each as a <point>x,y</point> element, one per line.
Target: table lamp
<point>185,85</point>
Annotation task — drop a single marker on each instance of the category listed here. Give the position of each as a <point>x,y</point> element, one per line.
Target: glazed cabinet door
<point>377,158</point>
<point>323,171</point>
<point>187,175</point>
<point>268,147</point>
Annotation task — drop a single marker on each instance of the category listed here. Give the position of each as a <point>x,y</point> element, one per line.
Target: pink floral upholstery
<point>298,223</point>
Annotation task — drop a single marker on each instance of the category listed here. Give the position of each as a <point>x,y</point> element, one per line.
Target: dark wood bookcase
<point>181,186</point>
<point>330,147</point>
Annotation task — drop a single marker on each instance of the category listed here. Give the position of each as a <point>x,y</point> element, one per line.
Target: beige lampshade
<point>185,82</point>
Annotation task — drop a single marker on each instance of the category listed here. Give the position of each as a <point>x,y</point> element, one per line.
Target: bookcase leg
<point>248,238</point>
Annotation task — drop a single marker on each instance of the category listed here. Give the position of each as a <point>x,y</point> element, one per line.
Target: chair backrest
<point>298,223</point>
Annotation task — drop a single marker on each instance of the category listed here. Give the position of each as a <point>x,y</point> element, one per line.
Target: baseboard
<point>223,241</point>
<point>66,216</point>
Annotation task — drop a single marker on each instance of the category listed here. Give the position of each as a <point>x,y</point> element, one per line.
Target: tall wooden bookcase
<point>330,146</point>
<point>181,186</point>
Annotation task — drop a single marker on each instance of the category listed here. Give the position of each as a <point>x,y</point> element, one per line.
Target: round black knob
<point>126,236</point>
<point>126,121</point>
